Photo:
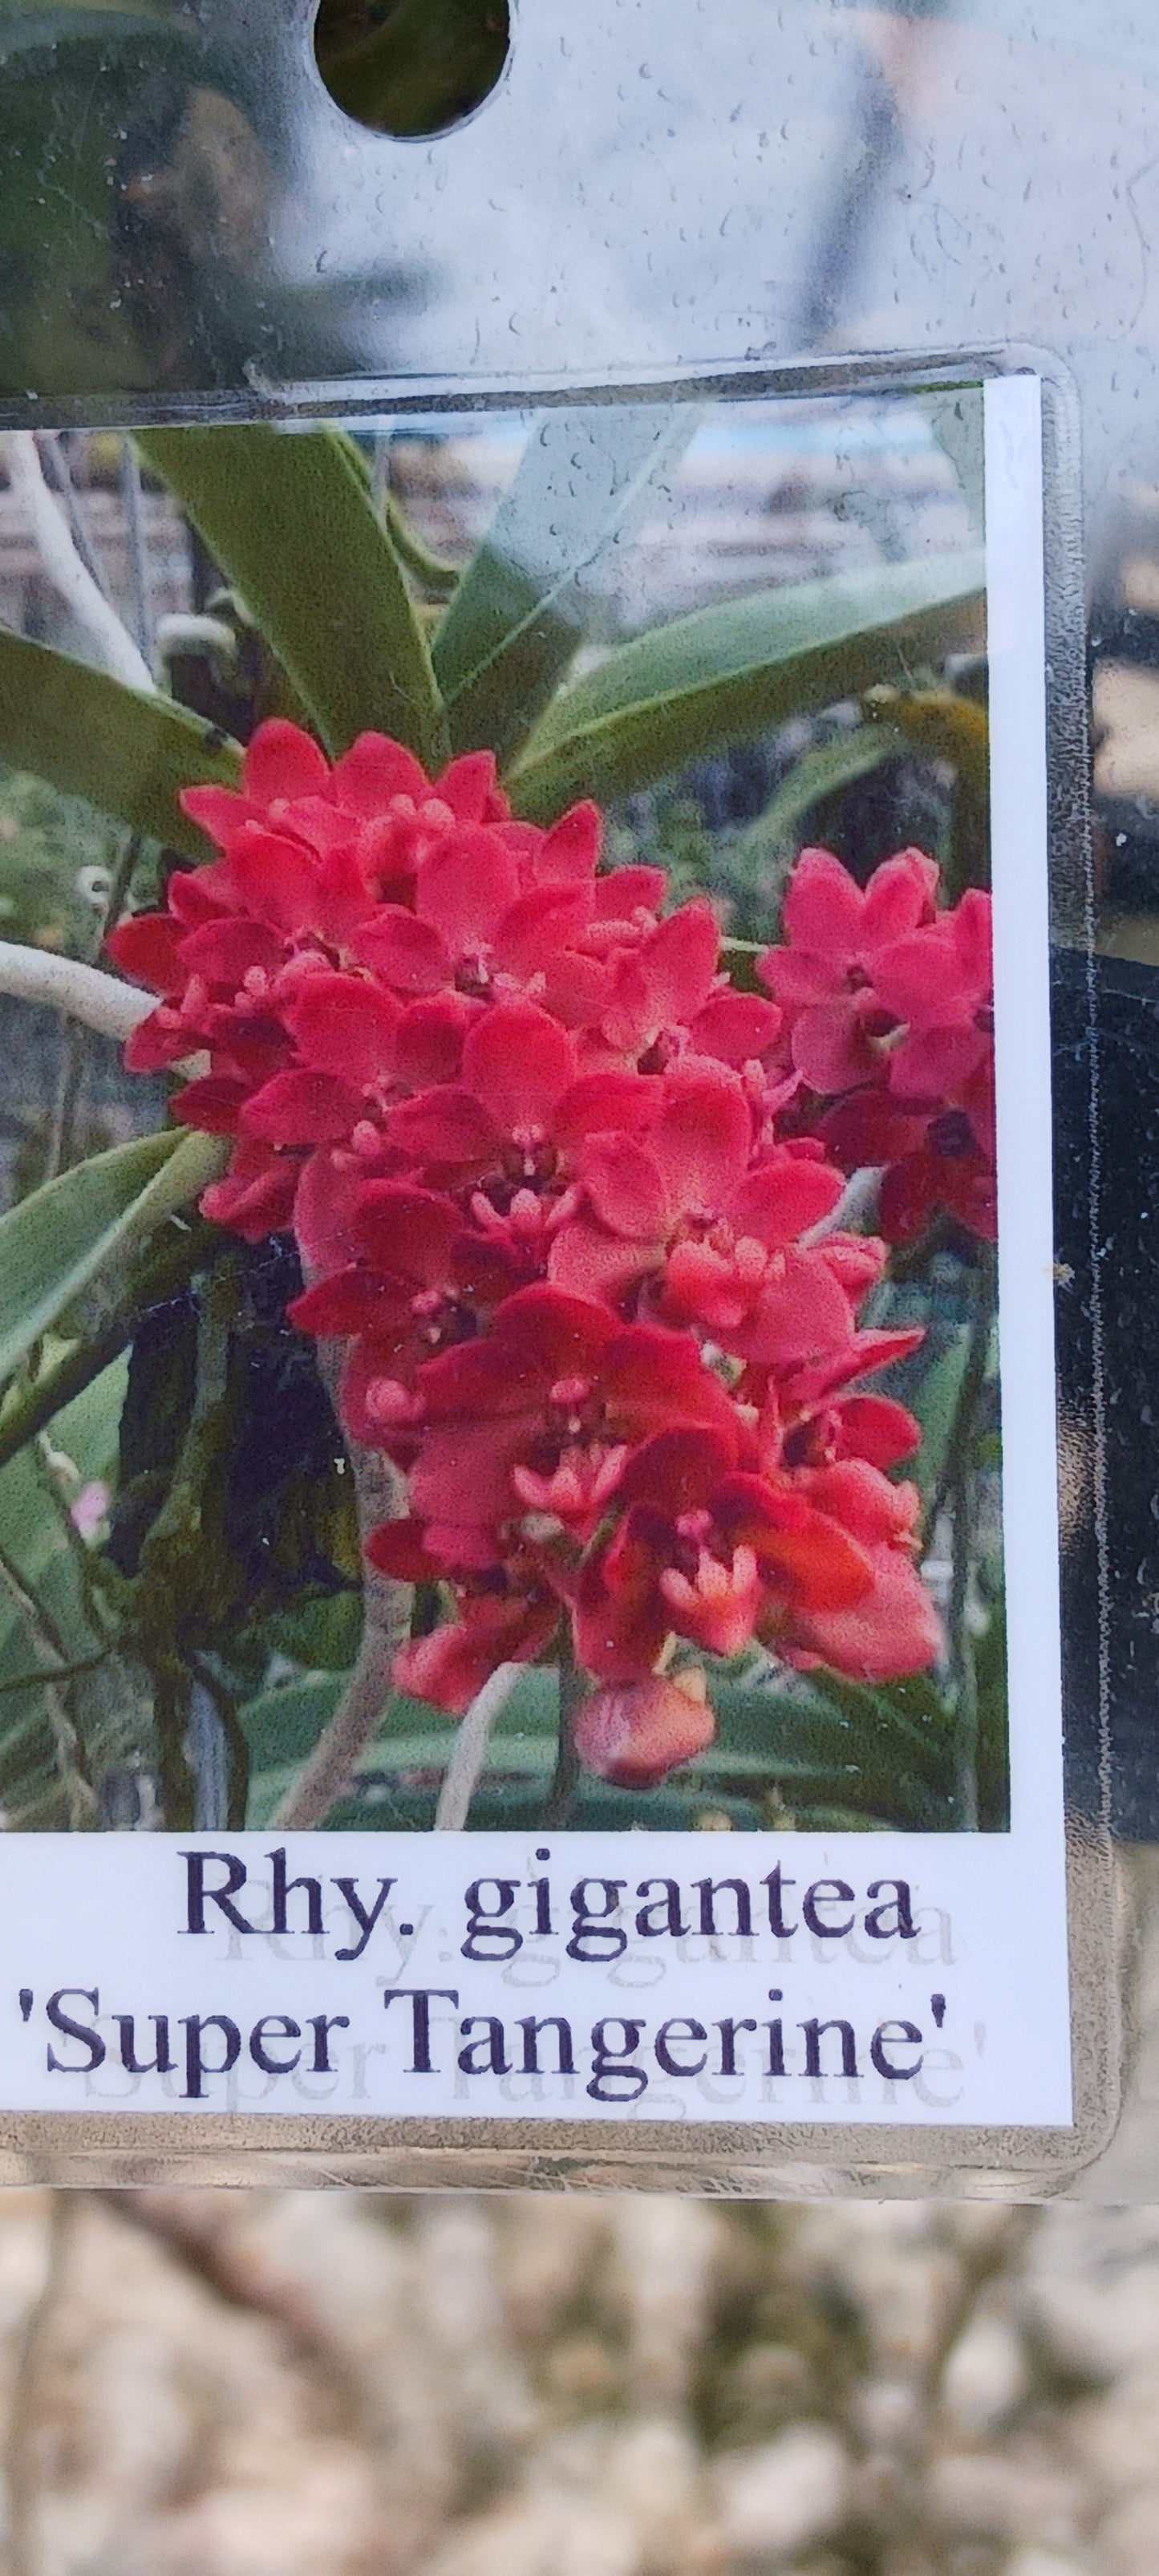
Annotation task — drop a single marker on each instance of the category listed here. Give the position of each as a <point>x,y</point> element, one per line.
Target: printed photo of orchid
<point>537,1350</point>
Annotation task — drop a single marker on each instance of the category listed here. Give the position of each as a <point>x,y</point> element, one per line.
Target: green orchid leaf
<point>384,1805</point>
<point>537,584</point>
<point>180,1247</point>
<point>53,1243</point>
<point>90,736</point>
<point>290,519</point>
<point>841,1820</point>
<point>283,1725</point>
<point>729,672</point>
<point>48,1564</point>
<point>881,1751</point>
<point>934,1404</point>
<point>31,1531</point>
<point>899,1739</point>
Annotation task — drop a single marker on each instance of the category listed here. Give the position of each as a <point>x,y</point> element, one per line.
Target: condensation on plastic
<point>189,227</point>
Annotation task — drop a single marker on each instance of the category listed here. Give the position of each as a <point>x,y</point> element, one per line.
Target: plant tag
<point>531,1531</point>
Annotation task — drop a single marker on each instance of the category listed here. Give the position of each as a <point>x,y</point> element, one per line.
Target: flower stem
<point>385,1626</point>
<point>83,992</point>
<point>961,1439</point>
<point>962,1666</point>
<point>856,1209</point>
<point>386,1608</point>
<point>957,1489</point>
<point>469,1753</point>
<point>122,881</point>
<point>69,1083</point>
<point>566,1777</point>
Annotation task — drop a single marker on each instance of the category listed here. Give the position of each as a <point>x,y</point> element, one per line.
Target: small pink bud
<point>636,1734</point>
<point>90,1509</point>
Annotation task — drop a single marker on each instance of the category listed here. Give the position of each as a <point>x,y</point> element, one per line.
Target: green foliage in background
<point>57,856</point>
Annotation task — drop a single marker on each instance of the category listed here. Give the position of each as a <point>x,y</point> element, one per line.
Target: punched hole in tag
<point>411,68</point>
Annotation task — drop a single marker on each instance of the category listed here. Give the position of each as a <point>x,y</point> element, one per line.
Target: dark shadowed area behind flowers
<point>198,2383</point>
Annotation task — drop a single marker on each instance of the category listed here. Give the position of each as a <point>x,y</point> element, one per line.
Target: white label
<point>780,1977</point>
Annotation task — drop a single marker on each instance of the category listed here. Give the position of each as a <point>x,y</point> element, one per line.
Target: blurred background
<point>201,2383</point>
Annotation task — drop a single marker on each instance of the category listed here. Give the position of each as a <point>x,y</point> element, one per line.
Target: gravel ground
<point>296,2384</point>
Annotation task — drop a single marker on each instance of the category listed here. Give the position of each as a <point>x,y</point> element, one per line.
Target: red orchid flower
<point>703,1552</point>
<point>490,907</point>
<point>288,786</point>
<point>940,982</point>
<point>826,977</point>
<point>511,1128</point>
<point>633,987</point>
<point>683,1201</point>
<point>255,1196</point>
<point>539,1414</point>
<point>450,1666</point>
<point>893,1629</point>
<point>416,1289</point>
<point>807,1416</point>
<point>302,856</point>
<point>511,1114</point>
<point>517,1065</point>
<point>932,1162</point>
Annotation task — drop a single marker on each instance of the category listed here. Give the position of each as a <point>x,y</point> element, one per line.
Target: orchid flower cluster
<point>574,1205</point>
